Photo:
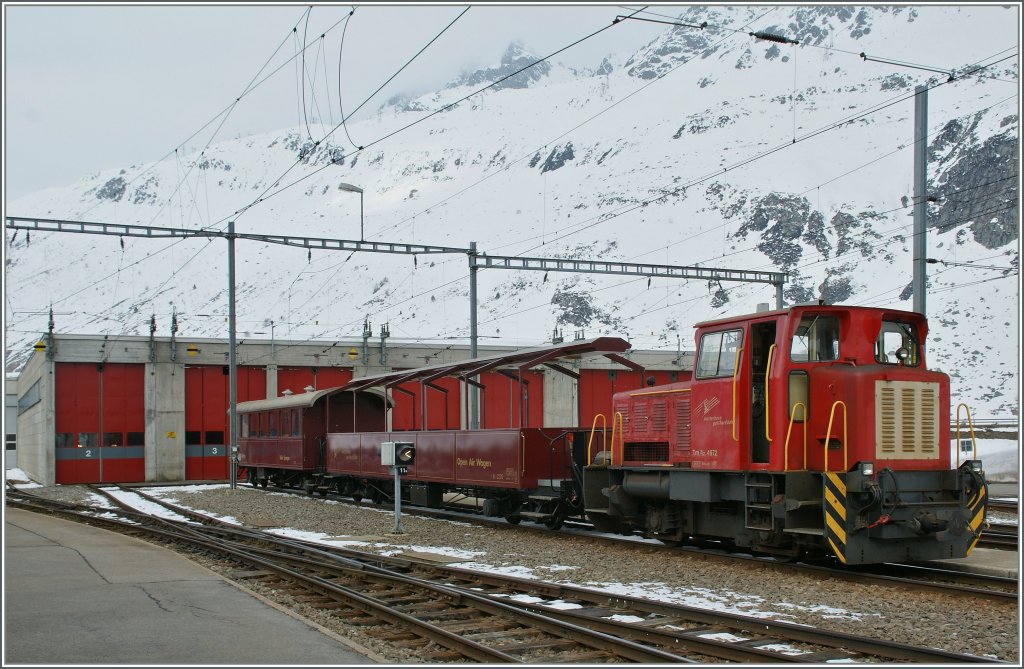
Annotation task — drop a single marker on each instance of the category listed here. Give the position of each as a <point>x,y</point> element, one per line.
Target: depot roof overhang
<point>522,360</point>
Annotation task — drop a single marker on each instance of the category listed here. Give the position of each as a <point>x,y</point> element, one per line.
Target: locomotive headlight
<point>867,469</point>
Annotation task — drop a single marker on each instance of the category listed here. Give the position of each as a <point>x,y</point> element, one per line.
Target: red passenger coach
<point>283,439</point>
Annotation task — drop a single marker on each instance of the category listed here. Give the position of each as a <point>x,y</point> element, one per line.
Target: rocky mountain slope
<point>709,147</point>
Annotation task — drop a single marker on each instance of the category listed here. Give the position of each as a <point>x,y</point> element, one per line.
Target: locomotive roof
<point>298,400</point>
<point>610,347</point>
<point>911,315</point>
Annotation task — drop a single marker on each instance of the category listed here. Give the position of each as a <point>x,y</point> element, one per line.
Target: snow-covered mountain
<point>709,146</point>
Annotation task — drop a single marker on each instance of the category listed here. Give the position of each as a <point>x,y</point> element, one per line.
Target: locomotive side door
<point>719,403</point>
<point>763,398</point>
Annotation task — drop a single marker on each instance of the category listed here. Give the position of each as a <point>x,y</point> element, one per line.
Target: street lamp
<point>355,189</point>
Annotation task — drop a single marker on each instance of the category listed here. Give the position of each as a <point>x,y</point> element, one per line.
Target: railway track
<point>453,615</point>
<point>916,577</point>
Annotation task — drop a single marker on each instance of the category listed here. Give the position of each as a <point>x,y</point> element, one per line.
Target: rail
<point>803,421</point>
<point>828,435</point>
<point>970,423</point>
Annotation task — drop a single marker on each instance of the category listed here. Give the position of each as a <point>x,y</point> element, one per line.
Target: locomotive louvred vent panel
<point>659,416</point>
<point>683,424</point>
<point>906,420</point>
<point>640,420</point>
<point>646,452</point>
<point>621,408</point>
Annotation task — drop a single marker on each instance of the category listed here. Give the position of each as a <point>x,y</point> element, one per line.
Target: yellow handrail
<point>792,417</point>
<point>767,413</point>
<point>735,374</point>
<point>828,435</point>
<point>617,424</point>
<point>970,423</point>
<point>593,428</point>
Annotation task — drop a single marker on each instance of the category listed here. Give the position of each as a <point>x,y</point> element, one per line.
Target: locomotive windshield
<point>897,344</point>
<point>816,339</point>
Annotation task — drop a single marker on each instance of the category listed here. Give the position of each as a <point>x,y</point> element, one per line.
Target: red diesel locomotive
<point>816,429</point>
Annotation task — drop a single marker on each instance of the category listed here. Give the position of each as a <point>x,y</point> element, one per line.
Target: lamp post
<point>356,189</point>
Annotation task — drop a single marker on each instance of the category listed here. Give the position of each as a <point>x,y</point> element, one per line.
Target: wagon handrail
<point>970,424</point>
<point>617,424</point>
<point>593,428</point>
<point>828,435</point>
<point>803,421</point>
<point>735,374</point>
<point>767,412</point>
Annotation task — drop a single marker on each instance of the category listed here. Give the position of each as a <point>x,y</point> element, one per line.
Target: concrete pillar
<point>37,424</point>
<point>165,421</point>
<point>560,400</point>
<point>272,382</point>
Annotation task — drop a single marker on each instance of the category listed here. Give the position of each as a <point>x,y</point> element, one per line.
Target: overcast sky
<point>89,88</point>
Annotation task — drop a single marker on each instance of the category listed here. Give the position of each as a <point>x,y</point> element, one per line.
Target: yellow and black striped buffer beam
<point>976,510</point>
<point>835,513</point>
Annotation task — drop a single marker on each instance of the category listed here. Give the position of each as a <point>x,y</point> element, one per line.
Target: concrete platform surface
<point>988,561</point>
<point>75,594</point>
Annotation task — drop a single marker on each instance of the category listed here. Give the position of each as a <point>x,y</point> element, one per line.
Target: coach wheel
<point>323,491</point>
<point>263,483</point>
<point>514,518</point>
<point>309,489</point>
<point>557,515</point>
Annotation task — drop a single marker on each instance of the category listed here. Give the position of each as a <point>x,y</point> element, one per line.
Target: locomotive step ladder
<point>760,490</point>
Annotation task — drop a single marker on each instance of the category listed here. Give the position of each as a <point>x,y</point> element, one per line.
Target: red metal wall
<point>296,379</point>
<point>597,386</point>
<point>443,409</point>
<point>501,402</point>
<point>100,423</point>
<point>207,390</point>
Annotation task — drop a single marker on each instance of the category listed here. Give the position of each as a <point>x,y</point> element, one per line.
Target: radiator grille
<point>646,452</point>
<point>907,420</point>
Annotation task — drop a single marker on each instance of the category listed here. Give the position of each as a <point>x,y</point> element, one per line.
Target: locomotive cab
<point>811,430</point>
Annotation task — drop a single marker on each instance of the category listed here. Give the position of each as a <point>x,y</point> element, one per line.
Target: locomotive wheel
<point>357,498</point>
<point>514,519</point>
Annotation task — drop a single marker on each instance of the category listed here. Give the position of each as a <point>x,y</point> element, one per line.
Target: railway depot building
<point>120,409</point>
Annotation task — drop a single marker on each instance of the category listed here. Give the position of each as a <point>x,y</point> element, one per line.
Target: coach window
<point>286,423</point>
<point>897,344</point>
<point>816,339</point>
<point>295,422</point>
<point>718,352</point>
<point>273,423</point>
<point>245,426</point>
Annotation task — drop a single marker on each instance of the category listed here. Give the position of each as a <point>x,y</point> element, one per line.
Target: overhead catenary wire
<point>264,196</point>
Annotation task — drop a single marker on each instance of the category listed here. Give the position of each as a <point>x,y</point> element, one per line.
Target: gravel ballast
<point>954,623</point>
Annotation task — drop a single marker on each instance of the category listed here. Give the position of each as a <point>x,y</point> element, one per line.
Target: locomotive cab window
<point>816,339</point>
<point>718,353</point>
<point>897,344</point>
